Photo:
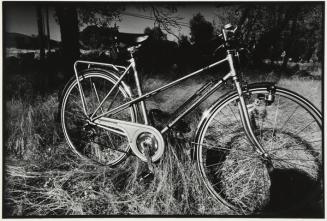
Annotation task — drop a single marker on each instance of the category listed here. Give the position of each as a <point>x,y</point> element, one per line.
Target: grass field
<point>44,178</point>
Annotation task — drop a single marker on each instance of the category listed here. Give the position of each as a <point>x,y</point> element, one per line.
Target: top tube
<point>165,87</point>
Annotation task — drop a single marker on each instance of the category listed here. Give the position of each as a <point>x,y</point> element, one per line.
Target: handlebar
<point>226,36</point>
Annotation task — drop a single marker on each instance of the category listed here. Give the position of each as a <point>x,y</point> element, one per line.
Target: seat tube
<point>139,91</point>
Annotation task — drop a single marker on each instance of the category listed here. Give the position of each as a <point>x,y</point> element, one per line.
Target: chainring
<point>134,132</point>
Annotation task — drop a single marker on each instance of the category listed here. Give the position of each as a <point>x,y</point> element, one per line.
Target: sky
<point>20,17</point>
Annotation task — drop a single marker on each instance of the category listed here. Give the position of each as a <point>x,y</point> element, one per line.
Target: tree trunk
<point>40,26</point>
<point>290,40</point>
<point>48,28</point>
<point>68,22</point>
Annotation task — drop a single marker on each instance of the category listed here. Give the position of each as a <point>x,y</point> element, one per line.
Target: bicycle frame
<point>192,104</point>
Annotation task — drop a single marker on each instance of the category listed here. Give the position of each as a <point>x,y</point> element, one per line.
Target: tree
<point>155,33</point>
<point>40,25</point>
<point>157,54</point>
<point>68,22</point>
<point>277,27</point>
<point>48,28</point>
<point>201,30</point>
<point>95,37</point>
<point>70,16</point>
<point>163,16</point>
<point>202,36</point>
<point>184,54</point>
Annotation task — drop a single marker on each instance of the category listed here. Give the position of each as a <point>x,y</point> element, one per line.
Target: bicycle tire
<point>231,173</point>
<point>92,143</point>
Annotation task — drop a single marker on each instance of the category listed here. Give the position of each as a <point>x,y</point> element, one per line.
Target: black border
<point>5,3</point>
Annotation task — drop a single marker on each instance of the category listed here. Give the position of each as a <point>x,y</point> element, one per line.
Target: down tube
<point>195,104</point>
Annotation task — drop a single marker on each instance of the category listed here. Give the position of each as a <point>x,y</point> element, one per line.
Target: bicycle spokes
<point>242,178</point>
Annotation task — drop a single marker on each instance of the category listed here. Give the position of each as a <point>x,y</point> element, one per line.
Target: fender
<point>112,73</point>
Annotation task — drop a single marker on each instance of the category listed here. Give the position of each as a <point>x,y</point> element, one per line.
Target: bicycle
<point>104,122</point>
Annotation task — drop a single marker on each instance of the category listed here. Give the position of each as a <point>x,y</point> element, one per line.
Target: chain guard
<point>132,131</point>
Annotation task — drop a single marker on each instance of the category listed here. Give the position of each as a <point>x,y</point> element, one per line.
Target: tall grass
<point>84,189</point>
<point>309,88</point>
<point>31,126</point>
<point>43,177</point>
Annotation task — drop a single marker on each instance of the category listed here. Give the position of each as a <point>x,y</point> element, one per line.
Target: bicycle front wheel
<point>88,141</point>
<point>290,130</point>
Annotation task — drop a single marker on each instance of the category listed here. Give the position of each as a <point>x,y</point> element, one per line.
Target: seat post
<point>139,90</point>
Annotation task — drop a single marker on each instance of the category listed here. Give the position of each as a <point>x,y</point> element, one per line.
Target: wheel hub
<point>89,130</point>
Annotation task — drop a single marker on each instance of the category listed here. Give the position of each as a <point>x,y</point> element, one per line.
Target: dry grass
<point>31,127</point>
<point>308,88</point>
<point>43,177</point>
<point>77,188</point>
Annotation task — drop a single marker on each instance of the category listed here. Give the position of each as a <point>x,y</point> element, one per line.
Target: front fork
<point>245,115</point>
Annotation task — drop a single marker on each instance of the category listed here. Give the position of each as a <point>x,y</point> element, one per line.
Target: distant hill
<point>92,37</point>
<point>21,41</point>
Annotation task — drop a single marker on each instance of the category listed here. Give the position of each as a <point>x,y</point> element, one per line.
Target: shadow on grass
<point>288,189</point>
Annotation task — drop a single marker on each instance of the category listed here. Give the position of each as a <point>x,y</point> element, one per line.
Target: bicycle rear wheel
<point>290,130</point>
<point>91,142</point>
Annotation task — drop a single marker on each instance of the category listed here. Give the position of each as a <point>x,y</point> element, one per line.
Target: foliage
<point>99,14</point>
<point>295,28</point>
<point>157,54</point>
<point>95,37</point>
<point>155,33</point>
<point>201,30</point>
<point>163,16</point>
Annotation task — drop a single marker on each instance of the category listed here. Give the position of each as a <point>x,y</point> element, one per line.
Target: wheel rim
<point>229,184</point>
<point>90,142</point>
